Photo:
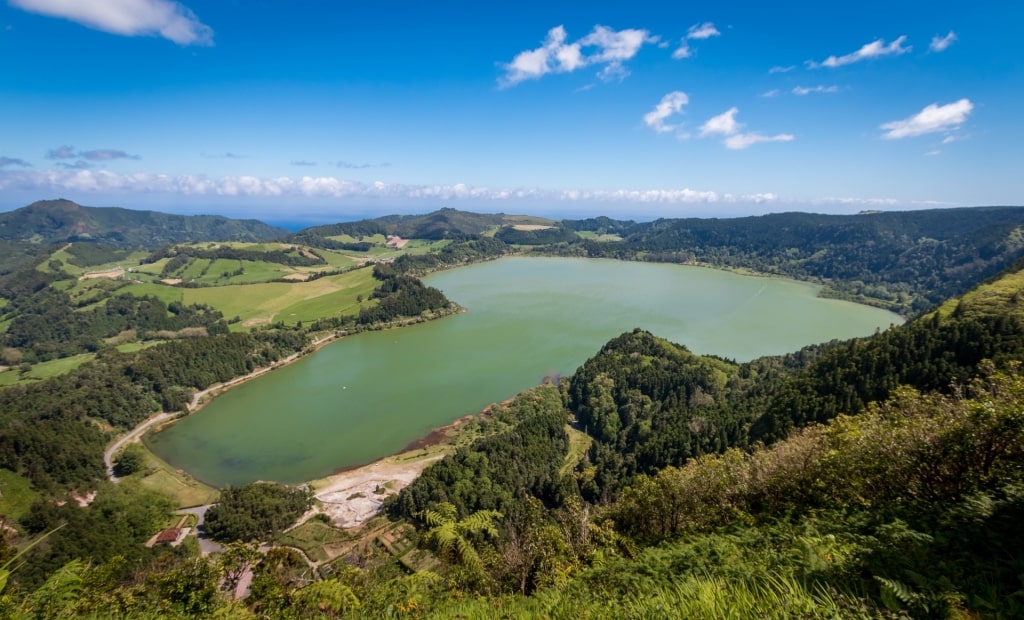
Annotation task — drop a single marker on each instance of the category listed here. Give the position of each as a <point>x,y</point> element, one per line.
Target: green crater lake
<point>370,395</point>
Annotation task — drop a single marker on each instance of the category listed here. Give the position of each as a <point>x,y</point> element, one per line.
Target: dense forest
<point>880,477</point>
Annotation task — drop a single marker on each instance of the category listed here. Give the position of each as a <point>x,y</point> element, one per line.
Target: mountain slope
<point>61,221</point>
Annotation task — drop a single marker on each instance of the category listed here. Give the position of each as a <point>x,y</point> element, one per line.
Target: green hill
<point>62,221</point>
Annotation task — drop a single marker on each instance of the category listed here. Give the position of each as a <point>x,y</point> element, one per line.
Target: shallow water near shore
<point>370,395</point>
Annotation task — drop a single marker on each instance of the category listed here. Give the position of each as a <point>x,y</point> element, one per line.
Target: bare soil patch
<point>113,274</point>
<point>352,497</point>
<point>531,227</point>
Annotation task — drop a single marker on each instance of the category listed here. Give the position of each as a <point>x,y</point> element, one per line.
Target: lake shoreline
<point>518,272</point>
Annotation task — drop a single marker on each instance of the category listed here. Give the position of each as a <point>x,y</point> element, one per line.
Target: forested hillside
<point>62,221</point>
<point>880,477</point>
<point>904,260</point>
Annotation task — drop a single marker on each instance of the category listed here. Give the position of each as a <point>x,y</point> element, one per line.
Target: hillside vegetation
<point>62,221</point>
<point>881,477</point>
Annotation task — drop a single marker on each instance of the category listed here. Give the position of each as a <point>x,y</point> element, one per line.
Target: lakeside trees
<point>908,506</point>
<point>257,511</point>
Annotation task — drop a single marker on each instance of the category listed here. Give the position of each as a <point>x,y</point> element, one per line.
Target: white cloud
<point>768,94</point>
<point>702,31</point>
<point>166,18</point>
<point>819,89</point>
<point>875,49</point>
<point>724,124</point>
<point>670,104</point>
<point>743,140</point>
<point>616,46</point>
<point>607,47</point>
<point>931,119</point>
<point>780,69</point>
<point>948,139</point>
<point>111,183</point>
<point>696,31</point>
<point>933,152</point>
<point>939,44</point>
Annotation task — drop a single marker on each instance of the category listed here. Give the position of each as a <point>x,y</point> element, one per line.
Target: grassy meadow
<point>288,302</point>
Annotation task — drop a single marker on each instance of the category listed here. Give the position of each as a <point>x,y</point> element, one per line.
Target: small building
<point>171,536</point>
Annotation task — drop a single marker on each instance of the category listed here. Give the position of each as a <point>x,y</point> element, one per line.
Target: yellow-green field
<point>312,537</point>
<point>589,234</point>
<point>1000,296</point>
<point>288,302</point>
<point>44,370</point>
<point>183,490</point>
<point>579,444</point>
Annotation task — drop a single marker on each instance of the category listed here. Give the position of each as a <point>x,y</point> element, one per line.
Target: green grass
<point>194,269</point>
<point>423,246</point>
<point>593,236</point>
<point>528,219</point>
<point>1002,296</point>
<point>378,239</point>
<point>183,490</point>
<point>152,268</point>
<point>131,347</point>
<point>16,495</point>
<point>45,370</point>
<point>579,444</point>
<point>164,292</point>
<point>312,536</point>
<point>288,302</point>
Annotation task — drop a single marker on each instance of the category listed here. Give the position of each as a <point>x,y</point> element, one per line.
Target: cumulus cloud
<point>726,126</point>
<point>13,161</point>
<point>107,182</point>
<point>702,31</point>
<point>670,104</point>
<point>933,118</point>
<point>602,46</point>
<point>819,89</point>
<point>696,31</point>
<point>939,44</point>
<point>165,18</point>
<point>875,49</point>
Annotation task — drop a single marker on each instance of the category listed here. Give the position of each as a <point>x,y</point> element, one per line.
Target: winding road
<point>108,456</point>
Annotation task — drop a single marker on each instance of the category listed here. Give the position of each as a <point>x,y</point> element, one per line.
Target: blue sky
<point>324,110</point>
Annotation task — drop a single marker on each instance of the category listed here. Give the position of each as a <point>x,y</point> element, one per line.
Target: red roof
<point>169,535</point>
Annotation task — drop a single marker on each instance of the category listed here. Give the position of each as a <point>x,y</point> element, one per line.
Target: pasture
<point>288,302</point>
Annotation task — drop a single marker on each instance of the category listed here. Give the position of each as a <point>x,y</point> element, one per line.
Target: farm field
<point>268,302</point>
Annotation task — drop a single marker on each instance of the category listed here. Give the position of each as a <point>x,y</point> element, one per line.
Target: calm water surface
<point>372,394</point>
